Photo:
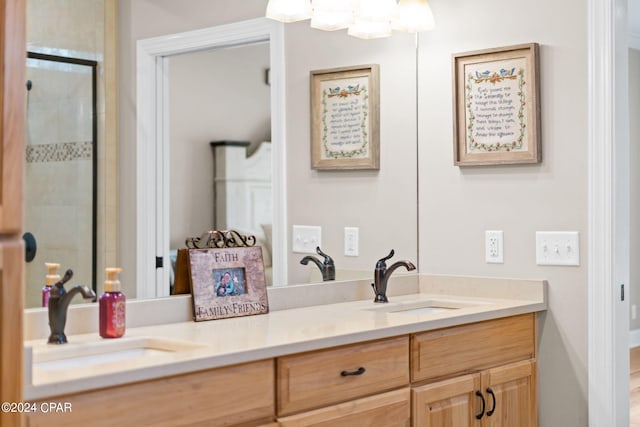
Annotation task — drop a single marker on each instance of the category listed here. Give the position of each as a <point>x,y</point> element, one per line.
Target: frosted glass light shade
<point>413,16</point>
<point>289,10</point>
<point>373,19</point>
<point>330,15</point>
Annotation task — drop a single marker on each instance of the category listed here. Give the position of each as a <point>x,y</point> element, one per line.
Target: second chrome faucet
<point>382,274</point>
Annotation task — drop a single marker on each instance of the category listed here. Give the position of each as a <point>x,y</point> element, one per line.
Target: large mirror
<point>381,204</point>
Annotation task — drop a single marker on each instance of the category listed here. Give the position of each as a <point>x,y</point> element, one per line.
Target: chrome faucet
<point>327,268</point>
<point>59,302</point>
<point>382,274</point>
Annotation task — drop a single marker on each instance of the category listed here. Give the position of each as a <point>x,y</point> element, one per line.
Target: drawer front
<point>391,409</point>
<point>241,394</point>
<point>311,380</point>
<point>468,348</point>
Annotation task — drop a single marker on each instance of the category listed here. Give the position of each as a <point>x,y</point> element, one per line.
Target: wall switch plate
<point>634,312</point>
<point>306,238</point>
<point>494,247</point>
<point>557,248</point>
<point>351,241</point>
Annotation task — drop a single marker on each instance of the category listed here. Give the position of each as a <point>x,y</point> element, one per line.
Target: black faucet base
<point>57,338</point>
<point>380,298</point>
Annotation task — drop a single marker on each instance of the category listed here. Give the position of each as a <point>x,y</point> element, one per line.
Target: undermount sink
<point>419,307</point>
<point>105,352</point>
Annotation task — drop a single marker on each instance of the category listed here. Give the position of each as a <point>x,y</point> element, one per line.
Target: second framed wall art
<point>496,108</point>
<point>345,118</point>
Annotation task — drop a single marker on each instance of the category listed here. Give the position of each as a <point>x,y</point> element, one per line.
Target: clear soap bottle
<point>112,306</point>
<point>51,279</point>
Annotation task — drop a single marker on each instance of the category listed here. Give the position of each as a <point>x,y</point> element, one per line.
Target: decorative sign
<point>496,112</point>
<point>345,114</point>
<point>227,282</point>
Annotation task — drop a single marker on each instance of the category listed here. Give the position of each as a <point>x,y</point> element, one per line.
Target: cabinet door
<point>511,395</point>
<point>389,409</point>
<point>448,403</point>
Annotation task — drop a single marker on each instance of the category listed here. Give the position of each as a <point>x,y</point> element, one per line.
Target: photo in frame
<point>227,282</point>
<point>345,118</point>
<point>496,108</point>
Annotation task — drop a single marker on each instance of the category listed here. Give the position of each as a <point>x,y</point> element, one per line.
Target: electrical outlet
<point>494,252</point>
<point>634,312</point>
<point>351,241</point>
<point>306,238</point>
<point>557,248</point>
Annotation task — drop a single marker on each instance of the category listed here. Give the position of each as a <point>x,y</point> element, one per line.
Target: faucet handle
<point>327,259</point>
<point>382,262</point>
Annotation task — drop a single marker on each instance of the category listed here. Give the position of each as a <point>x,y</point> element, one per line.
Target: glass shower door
<point>60,184</point>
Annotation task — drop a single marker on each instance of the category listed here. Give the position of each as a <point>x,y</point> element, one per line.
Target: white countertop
<point>230,341</point>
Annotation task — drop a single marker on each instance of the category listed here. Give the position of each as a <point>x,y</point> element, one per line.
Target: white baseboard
<point>634,338</point>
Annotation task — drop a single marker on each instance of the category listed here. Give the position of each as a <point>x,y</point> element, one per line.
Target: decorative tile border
<point>59,152</point>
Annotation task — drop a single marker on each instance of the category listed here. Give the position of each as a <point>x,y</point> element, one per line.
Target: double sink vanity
<point>445,350</point>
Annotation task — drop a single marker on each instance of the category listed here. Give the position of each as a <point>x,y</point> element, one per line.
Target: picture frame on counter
<point>227,282</point>
<point>345,118</point>
<point>496,108</point>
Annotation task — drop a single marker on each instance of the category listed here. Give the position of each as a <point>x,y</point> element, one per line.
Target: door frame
<point>608,187</point>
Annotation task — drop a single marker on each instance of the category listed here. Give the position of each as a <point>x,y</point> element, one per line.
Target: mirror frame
<point>152,146</point>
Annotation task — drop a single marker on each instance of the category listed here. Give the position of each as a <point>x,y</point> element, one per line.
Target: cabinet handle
<point>493,397</point>
<point>479,416</point>
<point>359,371</point>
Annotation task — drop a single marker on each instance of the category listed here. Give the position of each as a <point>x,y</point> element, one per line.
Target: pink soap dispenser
<point>51,279</point>
<point>112,306</point>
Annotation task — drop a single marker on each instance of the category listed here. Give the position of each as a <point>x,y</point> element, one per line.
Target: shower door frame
<point>94,148</point>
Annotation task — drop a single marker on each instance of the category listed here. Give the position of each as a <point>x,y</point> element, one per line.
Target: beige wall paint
<point>215,95</point>
<point>458,204</point>
<point>634,146</point>
<point>382,204</point>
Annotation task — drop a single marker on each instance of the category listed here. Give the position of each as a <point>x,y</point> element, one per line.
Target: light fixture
<point>413,16</point>
<point>365,19</point>
<point>331,15</point>
<point>289,10</point>
<point>373,19</point>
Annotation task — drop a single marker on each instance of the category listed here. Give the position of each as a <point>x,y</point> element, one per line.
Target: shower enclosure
<point>61,168</point>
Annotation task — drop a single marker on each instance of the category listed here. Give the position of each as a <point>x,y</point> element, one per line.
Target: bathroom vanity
<point>450,351</point>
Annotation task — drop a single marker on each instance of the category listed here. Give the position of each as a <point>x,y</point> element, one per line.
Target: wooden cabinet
<point>230,396</point>
<point>391,409</point>
<point>476,375</point>
<point>315,379</point>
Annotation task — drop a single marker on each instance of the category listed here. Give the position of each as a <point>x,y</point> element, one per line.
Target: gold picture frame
<point>345,118</point>
<point>496,109</point>
<point>227,282</point>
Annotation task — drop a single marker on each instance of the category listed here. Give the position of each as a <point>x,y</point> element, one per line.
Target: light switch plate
<point>306,238</point>
<point>557,248</point>
<point>351,241</point>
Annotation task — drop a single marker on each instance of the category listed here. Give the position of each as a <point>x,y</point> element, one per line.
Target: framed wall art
<point>227,282</point>
<point>496,107</point>
<point>345,118</point>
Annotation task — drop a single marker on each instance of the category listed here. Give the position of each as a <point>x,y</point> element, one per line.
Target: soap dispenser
<point>112,306</point>
<point>51,279</point>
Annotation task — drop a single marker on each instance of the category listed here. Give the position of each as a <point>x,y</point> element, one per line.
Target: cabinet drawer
<point>391,409</point>
<point>241,394</point>
<point>312,380</point>
<point>468,348</point>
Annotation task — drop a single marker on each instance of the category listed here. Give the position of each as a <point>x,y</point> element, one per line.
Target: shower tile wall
<point>58,191</point>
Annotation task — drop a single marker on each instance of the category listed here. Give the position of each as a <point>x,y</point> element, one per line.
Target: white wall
<point>458,204</point>
<point>214,95</point>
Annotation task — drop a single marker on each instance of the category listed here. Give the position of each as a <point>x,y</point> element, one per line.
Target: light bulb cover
<point>413,16</point>
<point>331,15</point>
<point>288,10</point>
